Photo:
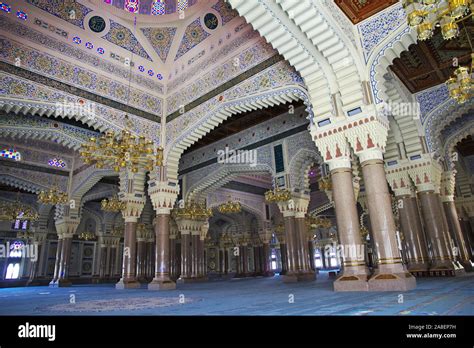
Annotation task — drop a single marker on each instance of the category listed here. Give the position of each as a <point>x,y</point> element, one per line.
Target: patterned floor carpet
<point>261,296</point>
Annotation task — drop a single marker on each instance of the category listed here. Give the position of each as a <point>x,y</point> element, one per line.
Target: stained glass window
<point>11,154</point>
<point>132,6</point>
<point>182,5</point>
<point>57,162</point>
<point>158,7</point>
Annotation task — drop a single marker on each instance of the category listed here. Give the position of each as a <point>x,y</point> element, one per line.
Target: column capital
<point>368,136</point>
<point>333,146</point>
<point>163,195</point>
<point>425,173</point>
<point>296,206</point>
<point>188,226</point>
<point>399,179</point>
<point>448,186</point>
<point>134,204</point>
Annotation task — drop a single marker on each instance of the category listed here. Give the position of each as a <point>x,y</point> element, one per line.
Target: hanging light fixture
<point>53,196</point>
<point>460,83</point>
<point>230,207</point>
<point>122,150</point>
<point>113,204</point>
<point>17,210</point>
<point>426,15</point>
<point>277,195</point>
<point>193,211</point>
<point>87,236</point>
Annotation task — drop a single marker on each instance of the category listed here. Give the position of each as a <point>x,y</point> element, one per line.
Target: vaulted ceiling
<point>430,63</point>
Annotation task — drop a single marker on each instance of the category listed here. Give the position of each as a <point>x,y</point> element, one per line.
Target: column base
<point>162,284</point>
<point>418,267</point>
<point>351,282</point>
<point>191,280</point>
<point>289,277</point>
<point>268,274</point>
<point>60,283</point>
<point>392,282</point>
<point>127,284</point>
<point>306,276</point>
<point>467,265</point>
<point>445,269</point>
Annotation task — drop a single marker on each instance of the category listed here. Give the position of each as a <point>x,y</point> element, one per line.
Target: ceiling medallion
<point>97,24</point>
<point>211,21</point>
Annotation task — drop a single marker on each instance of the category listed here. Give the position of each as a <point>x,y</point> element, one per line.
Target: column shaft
<point>129,264</point>
<point>455,227</point>
<point>162,280</point>
<point>390,274</point>
<point>410,222</point>
<point>354,270</point>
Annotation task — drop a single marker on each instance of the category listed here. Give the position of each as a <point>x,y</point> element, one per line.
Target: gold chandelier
<point>113,204</point>
<point>25,235</point>
<point>87,236</point>
<point>325,184</point>
<point>460,84</point>
<point>117,231</point>
<point>230,207</point>
<point>193,211</point>
<point>122,151</point>
<point>318,222</point>
<point>15,211</point>
<point>426,15</point>
<point>53,196</point>
<point>277,195</point>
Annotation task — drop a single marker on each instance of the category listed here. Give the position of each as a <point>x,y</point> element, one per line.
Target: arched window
<point>10,154</point>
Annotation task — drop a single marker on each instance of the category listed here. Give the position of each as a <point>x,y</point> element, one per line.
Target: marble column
<point>311,254</point>
<point>185,256</point>
<point>245,260</point>
<point>57,261</point>
<point>129,261</point>
<point>141,259</point>
<point>354,271</point>
<point>466,230</point>
<point>410,222</point>
<point>257,260</point>
<point>291,274</point>
<point>267,269</point>
<point>455,227</point>
<point>284,259</point>
<point>304,272</point>
<point>441,258</point>
<point>162,279</point>
<point>173,261</point>
<point>102,260</point>
<point>226,261</point>
<point>63,278</point>
<point>391,274</point>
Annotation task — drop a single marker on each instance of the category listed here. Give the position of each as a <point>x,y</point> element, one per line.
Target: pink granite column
<point>129,265</point>
<point>305,273</point>
<point>63,278</point>
<point>455,227</point>
<point>391,274</point>
<point>354,270</point>
<point>410,222</point>
<point>173,262</point>
<point>141,260</point>
<point>291,274</point>
<point>441,259</point>
<point>57,261</point>
<point>185,256</point>
<point>162,280</point>
<point>284,258</point>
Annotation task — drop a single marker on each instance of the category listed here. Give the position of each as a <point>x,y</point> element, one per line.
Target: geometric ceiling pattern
<point>161,40</point>
<point>430,63</point>
<point>70,11</point>
<point>123,37</point>
<point>152,7</point>
<point>193,35</point>
<point>358,10</point>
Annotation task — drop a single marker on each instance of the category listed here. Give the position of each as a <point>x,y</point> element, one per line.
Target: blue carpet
<point>261,296</point>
